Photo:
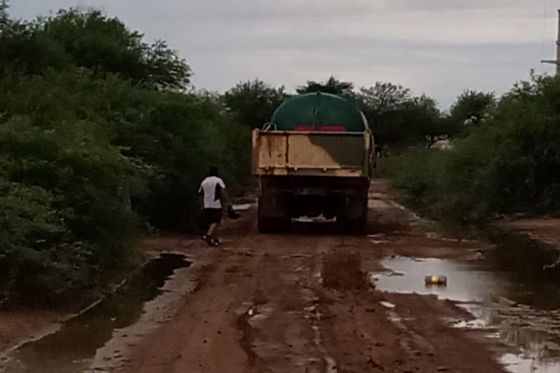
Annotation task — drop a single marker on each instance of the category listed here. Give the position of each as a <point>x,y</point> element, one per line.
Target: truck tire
<point>273,225</point>
<point>356,224</point>
<point>360,225</point>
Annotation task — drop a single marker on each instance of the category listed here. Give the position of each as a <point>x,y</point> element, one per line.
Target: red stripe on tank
<point>326,128</point>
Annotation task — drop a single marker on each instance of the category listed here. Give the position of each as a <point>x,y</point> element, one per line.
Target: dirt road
<point>261,304</point>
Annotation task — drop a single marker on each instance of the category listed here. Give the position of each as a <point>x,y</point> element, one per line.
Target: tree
<point>383,98</point>
<point>471,107</point>
<point>397,117</point>
<point>164,68</point>
<point>332,85</point>
<point>97,141</point>
<point>254,102</point>
<point>91,40</point>
<point>4,20</point>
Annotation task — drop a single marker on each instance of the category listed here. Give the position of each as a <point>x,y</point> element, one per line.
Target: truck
<point>314,159</point>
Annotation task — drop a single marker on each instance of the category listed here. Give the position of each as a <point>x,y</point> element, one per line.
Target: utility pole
<point>557,60</point>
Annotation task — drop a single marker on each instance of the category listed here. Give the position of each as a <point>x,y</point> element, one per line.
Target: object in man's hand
<point>232,214</point>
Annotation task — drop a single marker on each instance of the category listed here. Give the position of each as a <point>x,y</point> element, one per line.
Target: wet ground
<point>302,302</point>
<point>512,290</point>
<point>72,348</point>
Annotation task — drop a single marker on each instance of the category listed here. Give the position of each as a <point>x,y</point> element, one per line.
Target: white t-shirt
<point>212,188</point>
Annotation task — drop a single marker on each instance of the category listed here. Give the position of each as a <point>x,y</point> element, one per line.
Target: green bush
<point>509,164</point>
<point>98,139</point>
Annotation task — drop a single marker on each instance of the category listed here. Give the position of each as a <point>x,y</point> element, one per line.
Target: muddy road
<point>311,301</point>
<point>261,306</point>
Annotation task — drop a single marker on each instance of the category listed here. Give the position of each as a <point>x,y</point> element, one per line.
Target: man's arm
<point>225,199</point>
<point>201,197</point>
<point>224,196</point>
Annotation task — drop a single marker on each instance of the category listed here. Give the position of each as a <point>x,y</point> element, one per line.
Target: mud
<point>281,303</point>
<point>261,305</point>
<point>511,292</point>
<point>342,270</point>
<point>72,347</point>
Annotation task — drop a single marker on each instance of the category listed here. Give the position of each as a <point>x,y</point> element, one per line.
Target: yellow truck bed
<point>338,154</point>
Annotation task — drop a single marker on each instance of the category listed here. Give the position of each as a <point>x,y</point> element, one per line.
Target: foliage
<point>97,140</point>
<point>510,165</point>
<point>4,20</point>
<point>471,108</point>
<point>95,42</point>
<point>383,98</point>
<point>331,85</point>
<point>398,118</point>
<point>253,102</point>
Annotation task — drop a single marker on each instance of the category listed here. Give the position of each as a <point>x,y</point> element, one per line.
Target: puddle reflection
<point>522,311</point>
<point>70,349</point>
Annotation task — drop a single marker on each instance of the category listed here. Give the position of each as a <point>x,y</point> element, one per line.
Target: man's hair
<point>213,171</point>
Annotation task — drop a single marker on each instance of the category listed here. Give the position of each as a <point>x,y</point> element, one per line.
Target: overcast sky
<point>439,47</point>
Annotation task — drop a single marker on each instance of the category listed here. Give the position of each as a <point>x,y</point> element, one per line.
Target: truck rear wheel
<point>355,219</point>
<point>354,226</point>
<point>273,225</point>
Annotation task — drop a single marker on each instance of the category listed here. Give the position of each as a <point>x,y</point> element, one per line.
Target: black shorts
<point>212,216</point>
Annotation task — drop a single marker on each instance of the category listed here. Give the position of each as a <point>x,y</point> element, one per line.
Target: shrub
<point>509,164</point>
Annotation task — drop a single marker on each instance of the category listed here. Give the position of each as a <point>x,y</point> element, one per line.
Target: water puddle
<point>242,206</point>
<point>71,348</point>
<point>513,293</point>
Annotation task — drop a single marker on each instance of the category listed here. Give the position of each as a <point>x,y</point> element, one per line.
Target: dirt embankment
<point>546,230</point>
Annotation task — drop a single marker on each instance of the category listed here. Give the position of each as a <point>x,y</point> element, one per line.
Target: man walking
<point>213,193</point>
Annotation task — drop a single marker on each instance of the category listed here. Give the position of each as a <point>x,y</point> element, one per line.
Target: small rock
<point>205,340</point>
<point>443,369</point>
<point>219,332</point>
<point>374,364</point>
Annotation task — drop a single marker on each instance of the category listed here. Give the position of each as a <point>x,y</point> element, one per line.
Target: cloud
<point>435,46</point>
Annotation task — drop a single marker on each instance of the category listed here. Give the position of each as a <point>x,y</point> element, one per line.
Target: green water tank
<point>318,112</point>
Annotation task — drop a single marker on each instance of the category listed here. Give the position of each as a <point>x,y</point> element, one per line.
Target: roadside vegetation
<point>505,161</point>
<point>103,139</point>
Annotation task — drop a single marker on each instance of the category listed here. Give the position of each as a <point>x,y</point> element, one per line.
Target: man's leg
<point>215,238</point>
<point>214,219</point>
<point>212,230</point>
